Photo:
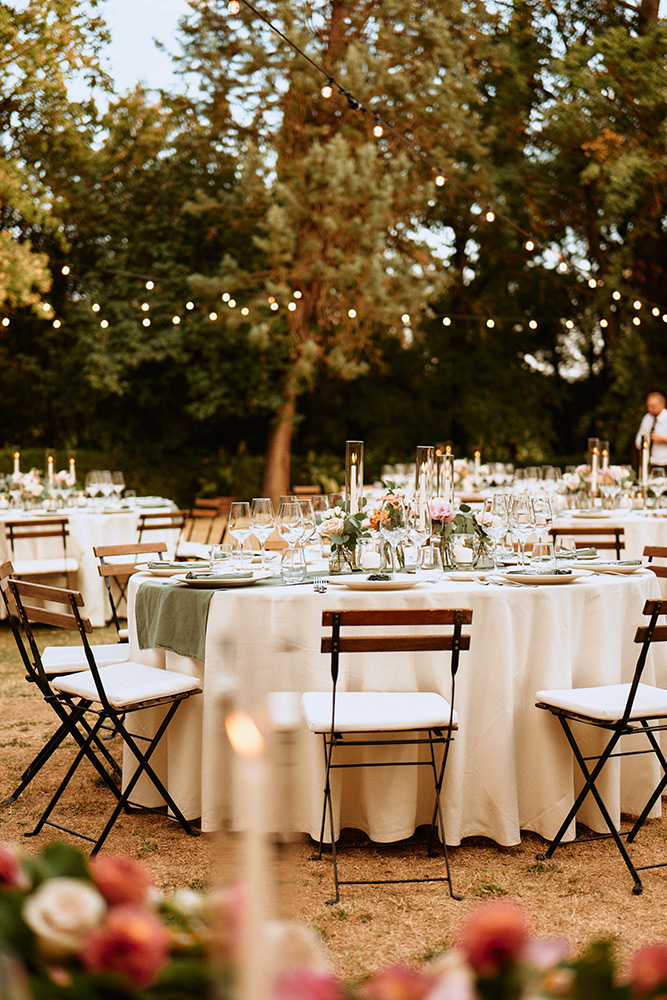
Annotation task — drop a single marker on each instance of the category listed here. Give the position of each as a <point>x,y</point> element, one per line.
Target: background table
<point>87,528</point>
<point>640,528</point>
<point>509,768</point>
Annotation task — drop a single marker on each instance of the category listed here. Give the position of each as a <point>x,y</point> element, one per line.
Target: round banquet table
<point>640,527</point>
<point>509,769</point>
<point>87,527</point>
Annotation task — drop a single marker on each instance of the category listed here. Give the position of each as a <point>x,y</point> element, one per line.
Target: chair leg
<point>657,793</point>
<point>589,786</point>
<point>318,855</point>
<point>438,816</point>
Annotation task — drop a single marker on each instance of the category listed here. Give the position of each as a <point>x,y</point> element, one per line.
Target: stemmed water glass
<point>543,516</point>
<point>393,524</point>
<point>118,483</point>
<point>419,523</point>
<point>309,522</point>
<point>495,520</point>
<point>239,523</point>
<point>522,522</point>
<point>658,483</point>
<point>262,522</point>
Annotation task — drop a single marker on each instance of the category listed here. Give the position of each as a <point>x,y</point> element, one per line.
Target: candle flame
<point>244,736</point>
<point>17,454</point>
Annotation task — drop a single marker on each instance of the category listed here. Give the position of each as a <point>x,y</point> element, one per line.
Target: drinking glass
<point>543,554</point>
<point>118,483</point>
<point>262,523</point>
<point>93,483</point>
<point>393,524</point>
<point>309,522</point>
<point>566,547</point>
<point>105,483</point>
<point>428,566</point>
<point>292,529</point>
<point>522,522</point>
<point>221,558</point>
<point>495,519</point>
<point>239,523</point>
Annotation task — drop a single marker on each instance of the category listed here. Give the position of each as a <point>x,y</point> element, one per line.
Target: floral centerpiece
<point>376,518</point>
<point>27,486</point>
<point>343,530</point>
<point>78,929</point>
<point>447,523</point>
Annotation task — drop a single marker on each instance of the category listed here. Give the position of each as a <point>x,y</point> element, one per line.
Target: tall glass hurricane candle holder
<point>424,466</point>
<point>354,475</point>
<point>594,464</point>
<point>604,454</point>
<point>643,468</point>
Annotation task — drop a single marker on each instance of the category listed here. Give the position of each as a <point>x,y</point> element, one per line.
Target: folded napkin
<point>540,572</point>
<point>586,553</point>
<point>628,562</point>
<point>172,617</point>
<point>164,564</point>
<point>220,576</point>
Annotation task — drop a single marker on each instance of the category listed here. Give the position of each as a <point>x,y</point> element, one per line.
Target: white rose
<point>334,525</point>
<point>60,912</point>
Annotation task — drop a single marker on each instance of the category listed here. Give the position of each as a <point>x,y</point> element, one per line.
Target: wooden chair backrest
<point>159,520</point>
<point>602,538</point>
<point>53,595</point>
<point>660,631</point>
<point>145,549</point>
<point>656,552</point>
<point>43,527</point>
<point>397,643</point>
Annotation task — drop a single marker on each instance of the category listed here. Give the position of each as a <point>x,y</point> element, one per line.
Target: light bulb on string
<point>529,245</point>
<point>145,307</point>
<point>562,267</point>
<point>46,307</point>
<point>569,324</point>
<point>274,305</point>
<point>533,324</point>
<point>616,295</point>
<point>592,283</point>
<point>352,313</point>
<point>150,285</point>
<point>56,324</point>
<point>234,6</point>
<point>245,311</point>
<point>297,294</point>
<point>378,131</point>
<point>327,89</point>
<point>145,321</point>
<point>225,296</point>
<point>405,319</point>
<point>636,321</point>
<point>655,311</point>
<point>104,324</point>
<point>189,305</point>
<point>291,306</point>
<point>490,323</point>
<point>490,216</point>
<point>440,180</point>
<point>175,320</point>
<point>95,307</point>
<point>213,316</point>
<point>446,321</point>
<point>604,324</point>
<point>64,269</point>
<point>636,304</point>
<point>664,317</point>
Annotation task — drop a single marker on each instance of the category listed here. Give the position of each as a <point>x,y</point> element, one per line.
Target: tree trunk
<point>276,481</point>
<point>648,12</point>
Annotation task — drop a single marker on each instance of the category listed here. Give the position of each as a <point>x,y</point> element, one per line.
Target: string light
<point>95,307</point>
<point>490,323</point>
<point>145,307</point>
<point>562,267</point>
<point>569,324</point>
<point>5,321</point>
<point>533,324</point>
<point>440,180</point>
<point>297,294</point>
<point>637,304</point>
<point>490,216</point>
<point>175,320</point>
<point>636,321</point>
<point>592,283</point>
<point>616,295</point>
<point>529,245</point>
<point>64,269</point>
<point>104,324</point>
<point>234,6</point>
<point>46,307</point>
<point>292,307</point>
<point>604,324</point>
<point>378,131</point>
<point>245,311</point>
<point>655,311</point>
<point>189,305</point>
<point>405,319</point>
<point>353,312</point>
<point>225,296</point>
<point>274,306</point>
<point>327,89</point>
<point>150,285</point>
<point>146,321</point>
<point>57,324</point>
<point>212,316</point>
<point>446,321</point>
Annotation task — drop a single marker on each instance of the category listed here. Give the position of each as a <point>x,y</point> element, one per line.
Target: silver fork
<point>320,584</point>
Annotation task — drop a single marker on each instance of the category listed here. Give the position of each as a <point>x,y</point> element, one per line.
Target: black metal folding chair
<point>73,721</point>
<point>632,709</point>
<point>55,561</point>
<point>118,574</point>
<point>109,697</point>
<point>360,719</point>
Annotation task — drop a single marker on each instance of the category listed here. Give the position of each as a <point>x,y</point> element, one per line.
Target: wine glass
<point>92,483</point>
<point>522,522</point>
<point>239,523</point>
<point>543,516</point>
<point>419,523</point>
<point>658,483</point>
<point>262,522</point>
<point>496,519</point>
<point>309,522</point>
<point>118,482</point>
<point>393,523</point>
<point>105,483</point>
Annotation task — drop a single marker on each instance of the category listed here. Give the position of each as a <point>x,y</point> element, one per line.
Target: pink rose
<point>120,879</point>
<point>441,510</point>
<point>130,942</point>
<point>399,983</point>
<point>648,968</point>
<point>12,875</point>
<point>306,984</point>
<point>494,936</point>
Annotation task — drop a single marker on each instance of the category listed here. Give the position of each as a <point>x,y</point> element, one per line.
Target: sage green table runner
<point>172,616</point>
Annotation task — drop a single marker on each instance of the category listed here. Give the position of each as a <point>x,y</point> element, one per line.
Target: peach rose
<point>397,982</point>
<point>61,912</point>
<point>648,968</point>
<point>131,942</point>
<point>12,875</point>
<point>121,879</point>
<point>494,936</point>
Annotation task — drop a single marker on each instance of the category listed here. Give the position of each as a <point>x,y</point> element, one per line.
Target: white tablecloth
<point>509,769</point>
<point>640,528</point>
<point>86,529</point>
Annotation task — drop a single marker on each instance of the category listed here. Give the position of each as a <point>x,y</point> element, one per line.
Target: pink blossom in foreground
<point>131,942</point>
<point>397,982</point>
<point>441,510</point>
<point>12,875</point>
<point>494,936</point>
<point>648,968</point>
<point>121,879</point>
<point>306,984</point>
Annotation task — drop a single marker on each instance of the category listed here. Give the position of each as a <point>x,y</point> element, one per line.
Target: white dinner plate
<point>216,583</point>
<point>593,514</point>
<point>538,579</point>
<point>466,574</point>
<point>614,567</point>
<point>171,569</point>
<point>362,583</point>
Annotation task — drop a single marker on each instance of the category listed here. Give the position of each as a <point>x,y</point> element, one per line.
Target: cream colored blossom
<point>60,912</point>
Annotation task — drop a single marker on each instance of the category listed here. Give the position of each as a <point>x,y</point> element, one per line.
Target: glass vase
<point>342,560</point>
<point>445,548</point>
<point>482,553</point>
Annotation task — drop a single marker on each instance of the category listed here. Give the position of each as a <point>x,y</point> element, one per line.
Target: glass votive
<point>221,559</point>
<point>428,567</point>
<point>566,547</point>
<point>543,554</point>
<point>371,554</point>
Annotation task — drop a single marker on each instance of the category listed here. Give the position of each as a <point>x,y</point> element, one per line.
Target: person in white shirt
<point>654,424</point>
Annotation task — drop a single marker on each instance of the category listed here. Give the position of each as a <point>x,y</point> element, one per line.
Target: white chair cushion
<point>607,702</point>
<point>68,659</point>
<point>42,567</point>
<point>128,685</point>
<point>193,550</point>
<point>375,711</point>
<point>124,634</point>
